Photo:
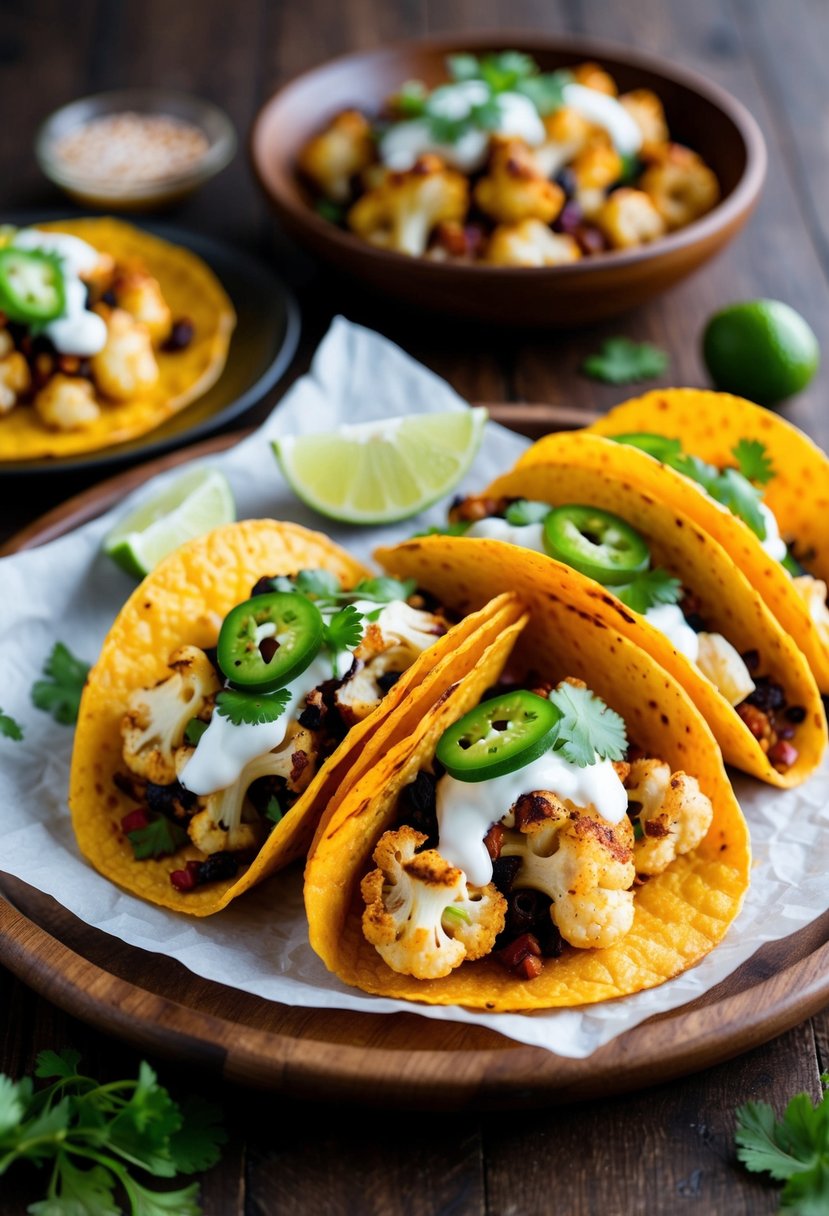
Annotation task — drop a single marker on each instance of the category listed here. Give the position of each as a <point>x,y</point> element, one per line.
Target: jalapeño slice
<point>661,447</point>
<point>267,641</point>
<point>499,736</point>
<point>595,543</point>
<point>32,288</point>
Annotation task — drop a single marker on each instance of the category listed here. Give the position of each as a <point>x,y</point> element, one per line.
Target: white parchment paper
<point>68,591</point>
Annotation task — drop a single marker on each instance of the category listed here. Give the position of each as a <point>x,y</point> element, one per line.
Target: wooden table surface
<point>666,1150</point>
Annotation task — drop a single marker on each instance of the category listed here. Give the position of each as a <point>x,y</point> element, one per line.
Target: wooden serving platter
<point>156,1005</point>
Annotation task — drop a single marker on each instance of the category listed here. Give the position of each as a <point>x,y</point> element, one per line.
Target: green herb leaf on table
<point>793,1149</point>
<point>159,838</point>
<point>117,1126</point>
<point>523,512</point>
<point>252,709</point>
<point>588,728</point>
<point>60,694</point>
<point>10,727</point>
<point>648,589</point>
<point>623,361</point>
<point>345,629</point>
<point>753,461</point>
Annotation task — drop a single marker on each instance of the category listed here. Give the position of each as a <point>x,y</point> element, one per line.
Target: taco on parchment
<point>107,330</point>
<point>651,572</point>
<point>559,829</point>
<point>745,475</point>
<point>250,678</point>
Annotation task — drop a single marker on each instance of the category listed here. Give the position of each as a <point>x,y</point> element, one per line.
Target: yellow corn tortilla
<point>191,290</point>
<point>680,915</point>
<point>183,601</point>
<point>728,604</point>
<point>592,452</point>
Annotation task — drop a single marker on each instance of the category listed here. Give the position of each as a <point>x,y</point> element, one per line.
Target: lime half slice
<point>193,504</point>
<point>379,472</point>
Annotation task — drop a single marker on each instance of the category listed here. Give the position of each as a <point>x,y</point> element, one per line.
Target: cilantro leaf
<point>793,1149</point>
<point>60,694</point>
<point>410,101</point>
<point>61,1064</point>
<point>622,361</point>
<point>463,67</point>
<point>194,730</point>
<point>273,811</point>
<point>196,1144</point>
<point>383,589</point>
<point>649,588</point>
<point>588,728</point>
<point>252,708</point>
<point>14,1098</point>
<point>523,512</point>
<point>345,629</point>
<point>546,92</point>
<point>753,461</point>
<point>698,470</point>
<point>10,727</point>
<point>741,498</point>
<point>162,1203</point>
<point>81,1192</point>
<point>159,838</point>
<point>329,210</point>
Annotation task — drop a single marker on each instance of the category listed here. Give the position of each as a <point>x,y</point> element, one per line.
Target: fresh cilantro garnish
<point>159,838</point>
<point>741,498</point>
<point>631,167</point>
<point>345,629</point>
<point>622,361</point>
<point>194,730</point>
<point>794,1149</point>
<point>94,1135</point>
<point>314,584</point>
<point>273,811</point>
<point>588,729</point>
<point>649,588</point>
<point>753,461</point>
<point>10,727</point>
<point>382,590</point>
<point>252,708</point>
<point>454,529</point>
<point>60,694</point>
<point>513,72</point>
<point>323,586</point>
<point>545,91</point>
<point>523,512</point>
<point>698,470</point>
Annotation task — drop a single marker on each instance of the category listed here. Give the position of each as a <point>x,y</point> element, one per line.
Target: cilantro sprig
<point>252,708</point>
<point>95,1135</point>
<point>588,729</point>
<point>160,838</point>
<point>523,512</point>
<point>344,631</point>
<point>753,461</point>
<point>623,361</point>
<point>648,589</point>
<point>60,693</point>
<point>10,727</point>
<point>793,1149</point>
<point>324,588</point>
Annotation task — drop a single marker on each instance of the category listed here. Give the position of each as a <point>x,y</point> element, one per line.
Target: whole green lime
<point>763,350</point>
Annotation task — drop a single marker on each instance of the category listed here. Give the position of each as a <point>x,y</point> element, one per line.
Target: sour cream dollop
<point>78,331</point>
<point>668,619</point>
<point>606,112</point>
<point>467,809</point>
<point>527,536</point>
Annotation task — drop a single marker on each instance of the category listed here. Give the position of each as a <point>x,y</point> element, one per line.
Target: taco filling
<point>528,835</point>
<point>219,751</point>
<point>604,547</point>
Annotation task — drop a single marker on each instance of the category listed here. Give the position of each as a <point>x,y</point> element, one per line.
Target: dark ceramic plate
<point>262,347</point>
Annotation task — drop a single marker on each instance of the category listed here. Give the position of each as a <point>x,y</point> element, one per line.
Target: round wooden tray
<point>157,1005</point>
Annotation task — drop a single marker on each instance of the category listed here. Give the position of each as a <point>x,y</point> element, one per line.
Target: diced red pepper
<point>782,754</point>
<point>521,948</point>
<point>186,879</point>
<point>135,820</point>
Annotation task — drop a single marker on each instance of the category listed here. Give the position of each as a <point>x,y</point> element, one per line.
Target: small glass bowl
<point>136,196</point>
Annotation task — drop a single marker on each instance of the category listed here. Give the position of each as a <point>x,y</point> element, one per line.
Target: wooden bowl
<point>699,113</point>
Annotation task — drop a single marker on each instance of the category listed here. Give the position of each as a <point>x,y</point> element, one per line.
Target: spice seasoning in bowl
<point>134,149</point>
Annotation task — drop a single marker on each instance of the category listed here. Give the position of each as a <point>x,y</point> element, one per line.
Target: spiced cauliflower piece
<point>568,133</point>
<point>15,377</point>
<point>67,403</point>
<point>126,367</point>
<point>401,213</point>
<point>515,188</point>
<point>681,186</point>
<point>594,77</point>
<point>723,665</point>
<point>530,243</point>
<point>675,814</point>
<point>582,862</point>
<point>332,159</point>
<point>140,294</point>
<point>389,645</point>
<point>156,718</point>
<point>595,170</point>
<point>813,591</point>
<point>421,915</point>
<point>647,111</point>
<point>629,218</point>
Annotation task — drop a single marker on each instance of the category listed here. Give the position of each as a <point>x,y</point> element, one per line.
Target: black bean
<point>217,866</point>
<point>181,335</point>
<point>504,873</point>
<point>751,658</point>
<point>796,714</point>
<point>169,800</point>
<point>767,696</point>
<point>419,806</point>
<point>388,680</point>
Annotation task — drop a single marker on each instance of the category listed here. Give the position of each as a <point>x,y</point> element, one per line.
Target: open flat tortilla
<point>680,915</point>
<point>192,291</point>
<point>183,601</point>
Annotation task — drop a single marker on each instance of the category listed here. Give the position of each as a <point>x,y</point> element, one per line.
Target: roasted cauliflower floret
<point>139,294</point>
<point>647,112</point>
<point>421,916</point>
<point>594,171</point>
<point>675,814</point>
<point>211,836</point>
<point>530,243</point>
<point>126,366</point>
<point>813,591</point>
<point>583,863</point>
<point>67,403</point>
<point>401,213</point>
<point>681,186</point>
<point>515,188</point>
<point>723,665</point>
<point>333,158</point>
<point>568,134</point>
<point>15,377</point>
<point>629,218</point>
<point>154,724</point>
<point>594,77</point>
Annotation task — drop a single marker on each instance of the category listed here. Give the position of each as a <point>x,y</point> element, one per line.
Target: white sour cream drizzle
<point>78,331</point>
<point>606,112</point>
<point>527,536</point>
<point>225,747</point>
<point>467,809</point>
<point>668,619</point>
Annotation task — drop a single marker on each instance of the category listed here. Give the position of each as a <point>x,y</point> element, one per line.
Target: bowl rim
<point>221,149</point>
<point>727,211</point>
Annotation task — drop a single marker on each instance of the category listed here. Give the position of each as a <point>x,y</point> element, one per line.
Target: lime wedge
<point>379,472</point>
<point>193,504</point>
